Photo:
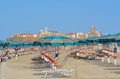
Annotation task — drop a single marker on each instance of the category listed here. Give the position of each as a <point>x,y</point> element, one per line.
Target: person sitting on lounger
<point>57,55</point>
<point>115,49</point>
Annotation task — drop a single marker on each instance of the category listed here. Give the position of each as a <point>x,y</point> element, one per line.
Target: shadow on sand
<point>107,66</point>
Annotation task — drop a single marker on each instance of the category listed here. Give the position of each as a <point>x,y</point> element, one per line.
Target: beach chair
<point>56,67</point>
<point>107,51</point>
<point>107,54</point>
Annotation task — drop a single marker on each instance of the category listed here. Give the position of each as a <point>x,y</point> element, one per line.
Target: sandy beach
<point>83,69</point>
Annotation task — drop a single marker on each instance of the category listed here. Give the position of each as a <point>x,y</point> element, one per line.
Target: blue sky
<point>21,16</point>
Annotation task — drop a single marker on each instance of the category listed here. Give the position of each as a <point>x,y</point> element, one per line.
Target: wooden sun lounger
<point>55,63</point>
<point>57,67</point>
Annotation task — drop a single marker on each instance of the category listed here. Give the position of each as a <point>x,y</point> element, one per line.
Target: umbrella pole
<point>108,59</point>
<point>102,59</point>
<point>115,61</point>
<point>16,57</point>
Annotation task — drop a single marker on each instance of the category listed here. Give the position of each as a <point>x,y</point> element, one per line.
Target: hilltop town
<point>29,37</point>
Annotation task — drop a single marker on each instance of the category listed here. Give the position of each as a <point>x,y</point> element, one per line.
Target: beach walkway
<point>19,69</point>
<point>83,69</point>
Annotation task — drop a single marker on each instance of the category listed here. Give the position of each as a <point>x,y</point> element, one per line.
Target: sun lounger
<point>107,51</point>
<point>56,67</point>
<point>55,63</point>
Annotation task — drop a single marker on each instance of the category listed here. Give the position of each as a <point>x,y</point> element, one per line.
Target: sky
<point>30,16</point>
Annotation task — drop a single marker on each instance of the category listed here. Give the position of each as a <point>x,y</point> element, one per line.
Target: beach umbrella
<point>55,40</point>
<point>13,43</point>
<point>75,43</point>
<point>106,40</point>
<point>27,43</point>
<point>117,40</point>
<point>2,43</point>
<point>114,38</point>
<point>70,43</point>
<point>56,44</point>
<point>36,43</point>
<point>113,35</point>
<point>92,40</point>
<point>18,43</point>
<point>45,43</point>
<point>82,41</point>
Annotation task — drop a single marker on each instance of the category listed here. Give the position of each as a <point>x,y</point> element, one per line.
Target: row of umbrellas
<point>102,40</point>
<point>106,39</point>
<point>57,40</point>
<point>62,40</point>
<point>49,40</point>
<point>15,43</point>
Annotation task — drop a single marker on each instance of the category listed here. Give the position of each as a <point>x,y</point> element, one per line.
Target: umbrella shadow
<point>40,64</point>
<point>101,64</point>
<point>116,72</point>
<point>52,75</point>
<point>112,69</point>
<point>107,66</point>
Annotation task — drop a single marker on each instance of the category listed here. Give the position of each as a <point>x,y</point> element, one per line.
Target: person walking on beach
<point>115,49</point>
<point>115,54</point>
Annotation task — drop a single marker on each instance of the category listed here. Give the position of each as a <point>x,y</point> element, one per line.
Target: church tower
<point>92,29</point>
<point>93,32</point>
<point>46,29</point>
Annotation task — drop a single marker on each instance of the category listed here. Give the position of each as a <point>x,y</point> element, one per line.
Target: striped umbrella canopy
<point>55,37</point>
<point>107,39</point>
<point>114,35</point>
<point>75,43</point>
<point>92,40</point>
<point>55,40</point>
<point>27,43</point>
<point>18,43</point>
<point>81,41</point>
<point>56,44</point>
<point>117,40</point>
<point>70,43</point>
<point>36,43</point>
<point>14,43</point>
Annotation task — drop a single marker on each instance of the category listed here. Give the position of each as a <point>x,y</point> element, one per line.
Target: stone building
<point>45,32</point>
<point>93,32</point>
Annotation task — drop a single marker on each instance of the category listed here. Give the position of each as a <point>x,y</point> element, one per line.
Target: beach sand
<point>83,69</point>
